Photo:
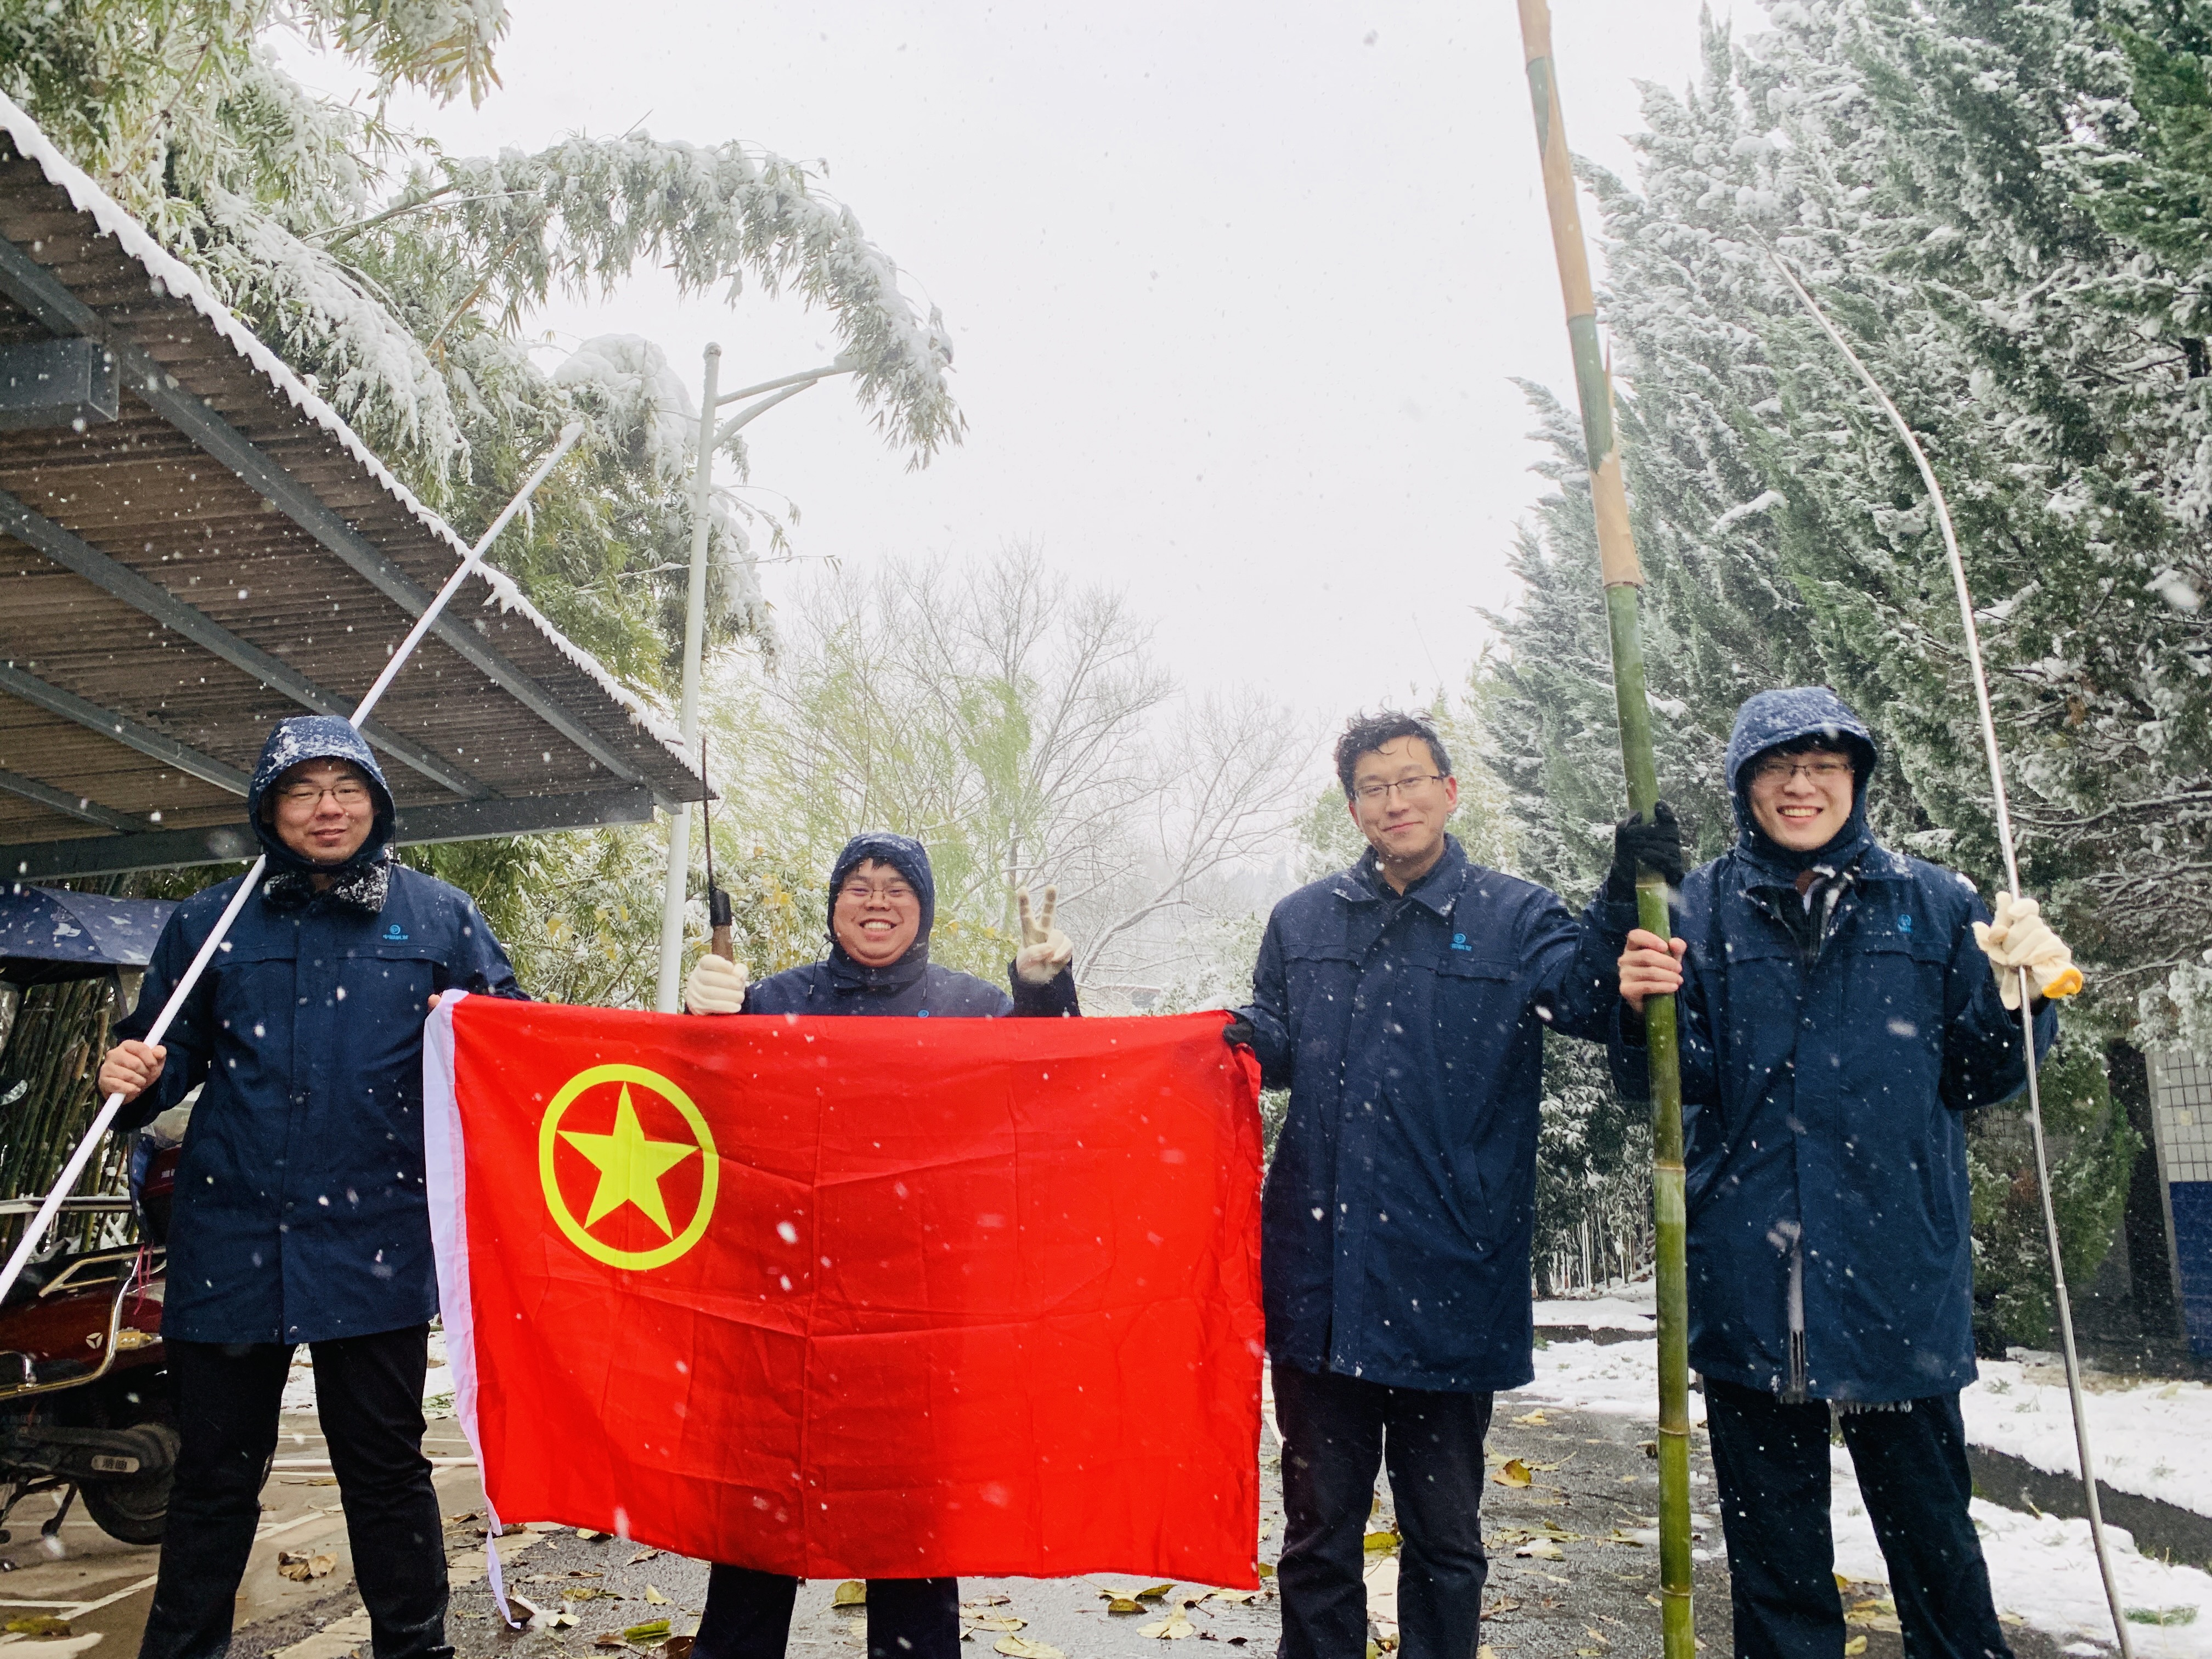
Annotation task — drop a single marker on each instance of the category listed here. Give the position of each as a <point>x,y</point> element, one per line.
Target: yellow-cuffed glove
<point>2019,938</point>
<point>716,986</point>
<point>1045,951</point>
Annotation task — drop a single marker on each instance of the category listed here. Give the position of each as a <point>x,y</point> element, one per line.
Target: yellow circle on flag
<point>630,1166</point>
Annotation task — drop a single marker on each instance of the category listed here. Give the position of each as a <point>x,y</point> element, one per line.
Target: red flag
<point>857,1297</point>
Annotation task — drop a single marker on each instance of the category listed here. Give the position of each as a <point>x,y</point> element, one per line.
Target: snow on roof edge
<point>177,278</point>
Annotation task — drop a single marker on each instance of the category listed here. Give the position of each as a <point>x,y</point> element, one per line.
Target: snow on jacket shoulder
<point>944,993</point>
<point>1822,1094</point>
<point>1401,1203</point>
<point>300,1213</point>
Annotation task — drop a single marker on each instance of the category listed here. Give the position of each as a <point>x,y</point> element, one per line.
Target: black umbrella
<point>48,934</point>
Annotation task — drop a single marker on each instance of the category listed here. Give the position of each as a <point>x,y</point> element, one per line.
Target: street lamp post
<point>710,437</point>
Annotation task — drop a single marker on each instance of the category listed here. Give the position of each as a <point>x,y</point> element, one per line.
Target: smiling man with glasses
<point>882,903</point>
<point>1841,1008</point>
<point>301,1214</point>
<point>1403,1002</point>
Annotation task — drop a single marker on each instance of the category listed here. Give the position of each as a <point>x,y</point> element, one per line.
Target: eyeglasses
<point>347,792</point>
<point>897,892</point>
<point>1781,771</point>
<point>1412,788</point>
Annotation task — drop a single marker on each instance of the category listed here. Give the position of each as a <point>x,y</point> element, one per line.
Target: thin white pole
<point>75,1168</point>
<point>1996,759</point>
<point>695,633</point>
<point>668,990</point>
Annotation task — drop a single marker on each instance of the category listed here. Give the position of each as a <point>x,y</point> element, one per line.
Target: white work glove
<point>716,986</point>
<point>1045,951</point>
<point>2019,937</point>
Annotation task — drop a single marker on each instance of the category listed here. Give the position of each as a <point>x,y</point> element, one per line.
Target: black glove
<point>1656,845</point>
<point>1239,1034</point>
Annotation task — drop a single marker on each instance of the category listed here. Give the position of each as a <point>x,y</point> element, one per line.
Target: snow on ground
<point>437,1387</point>
<point>2040,1566</point>
<point>1603,1313</point>
<point>1619,1377</point>
<point>2147,1437</point>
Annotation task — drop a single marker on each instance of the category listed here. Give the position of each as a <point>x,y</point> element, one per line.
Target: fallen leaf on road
<point>1858,1645</point>
<point>1173,1628</point>
<point>1513,1473</point>
<point>988,1602</point>
<point>653,1595</point>
<point>1378,1542</point>
<point>1235,1598</point>
<point>643,1557</point>
<point>609,1638</point>
<point>300,1566</point>
<point>979,1621</point>
<point>39,1624</point>
<point>1541,1549</point>
<point>1020,1647</point>
<point>1534,1419</point>
<point>676,1647</point>
<point>852,1593</point>
<point>654,1630</point>
<point>1503,1604</point>
<point>1154,1592</point>
<point>1123,1604</point>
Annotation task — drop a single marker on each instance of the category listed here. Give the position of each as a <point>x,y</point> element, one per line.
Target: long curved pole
<point>1623,579</point>
<point>1996,759</point>
<point>250,884</point>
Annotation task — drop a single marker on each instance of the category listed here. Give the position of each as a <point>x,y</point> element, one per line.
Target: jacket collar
<point>1439,890</point>
<point>362,890</point>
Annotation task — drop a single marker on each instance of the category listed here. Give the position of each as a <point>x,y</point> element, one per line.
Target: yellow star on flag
<point>629,1166</point>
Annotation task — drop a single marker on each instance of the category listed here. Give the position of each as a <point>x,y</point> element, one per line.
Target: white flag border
<point>446,1165</point>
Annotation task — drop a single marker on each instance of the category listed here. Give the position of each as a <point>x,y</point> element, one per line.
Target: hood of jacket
<point>1771,718</point>
<point>911,860</point>
<point>312,738</point>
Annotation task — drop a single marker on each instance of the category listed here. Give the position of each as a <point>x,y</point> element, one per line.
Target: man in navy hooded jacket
<point>1837,1018</point>
<point>1403,1002</point>
<point>883,903</point>
<point>300,1213</point>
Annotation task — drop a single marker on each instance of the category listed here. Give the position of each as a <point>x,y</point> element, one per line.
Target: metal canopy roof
<point>193,546</point>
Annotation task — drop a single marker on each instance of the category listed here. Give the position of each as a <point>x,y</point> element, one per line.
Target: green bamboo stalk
<point>1623,578</point>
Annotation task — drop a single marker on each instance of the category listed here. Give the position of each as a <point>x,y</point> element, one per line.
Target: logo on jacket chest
<point>632,1148</point>
<point>394,932</point>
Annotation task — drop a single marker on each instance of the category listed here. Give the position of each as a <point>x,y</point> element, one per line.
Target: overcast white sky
<point>1236,290</point>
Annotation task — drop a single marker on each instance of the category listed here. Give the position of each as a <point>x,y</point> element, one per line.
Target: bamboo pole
<point>1623,577</point>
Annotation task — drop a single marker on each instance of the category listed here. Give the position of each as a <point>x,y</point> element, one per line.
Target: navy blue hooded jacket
<point>1396,1221</point>
<point>300,1212</point>
<point>912,986</point>
<point>1827,1056</point>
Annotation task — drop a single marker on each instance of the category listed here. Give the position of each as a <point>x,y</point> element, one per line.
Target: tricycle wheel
<point>134,1512</point>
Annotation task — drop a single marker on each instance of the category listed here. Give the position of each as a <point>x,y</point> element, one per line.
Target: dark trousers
<point>748,1616</point>
<point>1337,1432</point>
<point>368,1390</point>
<point>1772,1463</point>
